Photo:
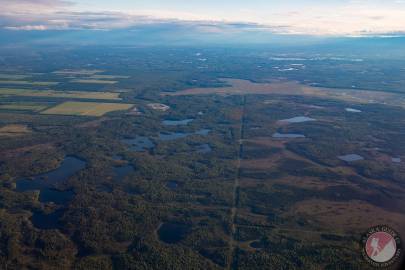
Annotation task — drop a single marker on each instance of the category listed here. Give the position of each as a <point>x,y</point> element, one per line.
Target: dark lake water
<point>298,119</point>
<point>169,136</point>
<point>172,233</point>
<point>287,136</point>
<point>204,148</point>
<point>203,132</point>
<point>256,244</point>
<point>45,182</point>
<point>117,157</point>
<point>172,185</point>
<point>47,221</point>
<point>139,144</point>
<point>177,122</point>
<point>122,171</point>
<point>351,157</point>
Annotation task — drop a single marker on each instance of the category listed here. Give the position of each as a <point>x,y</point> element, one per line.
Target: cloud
<point>28,27</point>
<point>354,17</point>
<point>32,6</point>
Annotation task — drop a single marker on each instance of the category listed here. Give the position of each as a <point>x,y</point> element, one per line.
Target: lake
<point>351,157</point>
<point>44,221</point>
<point>177,122</point>
<point>173,232</point>
<point>122,171</point>
<point>352,110</point>
<point>204,148</point>
<point>172,185</point>
<point>256,245</point>
<point>45,182</point>
<point>168,136</point>
<point>298,119</point>
<point>287,136</point>
<point>396,160</point>
<point>139,144</point>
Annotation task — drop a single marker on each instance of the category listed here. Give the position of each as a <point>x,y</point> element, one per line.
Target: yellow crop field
<point>93,81</point>
<point>87,108</point>
<point>14,130</point>
<point>71,72</point>
<point>59,94</point>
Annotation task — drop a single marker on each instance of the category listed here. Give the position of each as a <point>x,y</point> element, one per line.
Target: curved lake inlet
<point>45,182</point>
<point>287,136</point>
<point>173,232</point>
<point>298,119</point>
<point>177,122</point>
<point>139,144</point>
<point>351,157</point>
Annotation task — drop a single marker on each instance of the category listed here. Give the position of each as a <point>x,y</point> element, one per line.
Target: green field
<point>59,94</point>
<point>87,108</point>
<point>15,82</point>
<point>34,107</point>
<point>14,76</point>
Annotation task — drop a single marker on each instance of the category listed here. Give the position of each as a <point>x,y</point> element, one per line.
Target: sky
<point>309,17</point>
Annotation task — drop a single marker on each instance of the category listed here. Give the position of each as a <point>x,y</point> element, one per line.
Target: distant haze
<point>307,17</point>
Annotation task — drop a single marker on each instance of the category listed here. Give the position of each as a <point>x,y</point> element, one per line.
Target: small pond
<point>351,157</point>
<point>256,244</point>
<point>139,144</point>
<point>122,171</point>
<point>298,119</point>
<point>396,160</point>
<point>177,122</point>
<point>287,136</point>
<point>352,110</point>
<point>173,232</point>
<point>172,185</point>
<point>204,148</point>
<point>169,136</point>
<point>46,221</point>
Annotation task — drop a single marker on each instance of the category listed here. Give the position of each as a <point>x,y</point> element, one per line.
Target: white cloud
<point>355,17</point>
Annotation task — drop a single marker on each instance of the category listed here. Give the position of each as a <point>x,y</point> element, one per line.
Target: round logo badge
<point>382,246</point>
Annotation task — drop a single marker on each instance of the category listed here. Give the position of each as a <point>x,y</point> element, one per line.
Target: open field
<point>15,82</point>
<point>14,76</point>
<point>14,130</point>
<point>87,108</point>
<point>291,88</point>
<point>93,81</point>
<point>347,216</point>
<point>26,106</point>
<point>71,72</point>
<point>59,94</point>
<point>98,76</point>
